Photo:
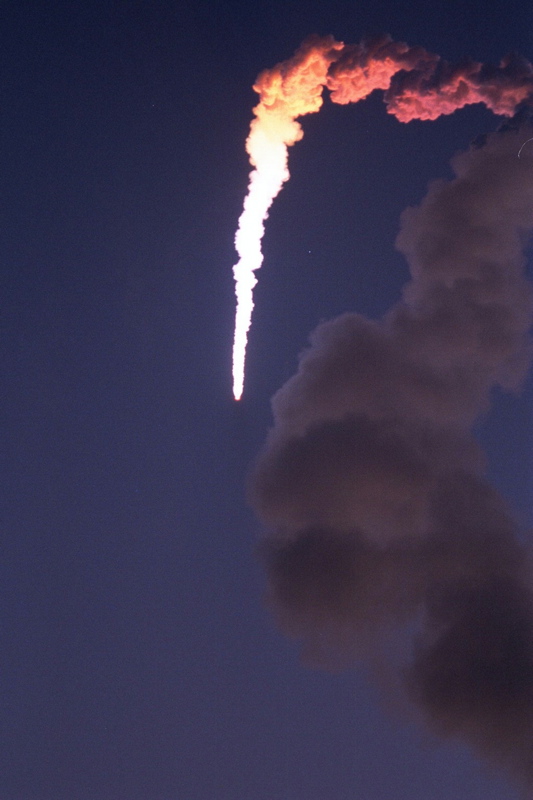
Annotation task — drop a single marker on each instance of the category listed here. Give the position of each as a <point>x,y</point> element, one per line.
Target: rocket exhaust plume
<point>285,95</point>
<point>417,84</point>
<point>385,543</point>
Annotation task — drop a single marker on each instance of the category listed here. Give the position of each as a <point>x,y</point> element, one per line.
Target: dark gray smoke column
<point>372,488</point>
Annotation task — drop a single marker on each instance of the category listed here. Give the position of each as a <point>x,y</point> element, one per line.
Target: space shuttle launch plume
<point>417,85</point>
<point>287,92</point>
<point>383,535</point>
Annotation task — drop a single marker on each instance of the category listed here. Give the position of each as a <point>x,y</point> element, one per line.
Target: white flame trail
<point>287,91</point>
<point>269,155</point>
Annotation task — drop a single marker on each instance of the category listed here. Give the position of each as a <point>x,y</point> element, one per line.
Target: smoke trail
<point>418,84</point>
<point>384,535</point>
<point>288,91</point>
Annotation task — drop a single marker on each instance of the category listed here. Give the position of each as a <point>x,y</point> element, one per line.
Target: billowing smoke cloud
<point>383,534</point>
<point>421,85</point>
<point>417,84</point>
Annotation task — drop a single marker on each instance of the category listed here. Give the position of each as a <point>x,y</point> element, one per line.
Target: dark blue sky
<point>137,660</point>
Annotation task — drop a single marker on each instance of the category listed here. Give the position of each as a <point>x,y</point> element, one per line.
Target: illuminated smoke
<point>385,543</point>
<point>418,85</point>
<point>288,91</point>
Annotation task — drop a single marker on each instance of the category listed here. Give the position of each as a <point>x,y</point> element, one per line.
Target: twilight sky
<point>138,661</point>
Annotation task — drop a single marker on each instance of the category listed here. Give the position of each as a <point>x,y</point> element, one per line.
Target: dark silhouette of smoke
<point>380,522</point>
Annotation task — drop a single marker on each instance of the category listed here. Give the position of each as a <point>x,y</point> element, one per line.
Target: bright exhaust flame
<point>417,85</point>
<point>268,153</point>
<point>288,91</point>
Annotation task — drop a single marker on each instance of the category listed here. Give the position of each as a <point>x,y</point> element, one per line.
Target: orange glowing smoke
<point>417,84</point>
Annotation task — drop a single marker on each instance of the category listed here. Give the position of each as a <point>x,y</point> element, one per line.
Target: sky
<point>139,659</point>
